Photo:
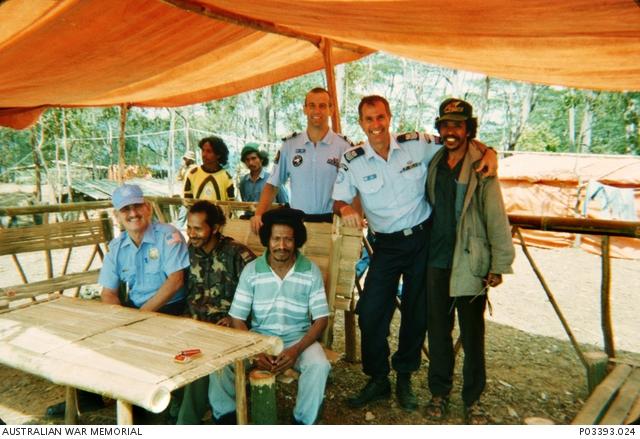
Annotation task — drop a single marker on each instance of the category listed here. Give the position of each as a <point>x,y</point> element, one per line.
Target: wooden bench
<point>48,237</point>
<point>615,401</point>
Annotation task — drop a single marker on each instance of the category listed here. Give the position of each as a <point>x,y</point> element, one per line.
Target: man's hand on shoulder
<point>488,165</point>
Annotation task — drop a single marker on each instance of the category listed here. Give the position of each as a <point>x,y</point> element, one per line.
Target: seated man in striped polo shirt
<point>283,293</point>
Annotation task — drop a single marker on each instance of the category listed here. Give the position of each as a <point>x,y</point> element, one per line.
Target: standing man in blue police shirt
<point>252,184</point>
<point>311,160</point>
<point>148,257</point>
<point>389,173</point>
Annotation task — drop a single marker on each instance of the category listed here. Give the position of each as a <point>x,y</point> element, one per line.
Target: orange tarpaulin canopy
<point>179,52</point>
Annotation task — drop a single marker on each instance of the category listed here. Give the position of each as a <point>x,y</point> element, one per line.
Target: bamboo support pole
<point>124,412</point>
<point>55,208</point>
<point>605,298</point>
<point>121,144</point>
<point>67,258</point>
<point>587,226</point>
<point>325,47</point>
<point>241,393</point>
<point>48,258</point>
<point>71,406</point>
<point>19,267</point>
<point>223,15</point>
<point>551,298</point>
<point>158,212</point>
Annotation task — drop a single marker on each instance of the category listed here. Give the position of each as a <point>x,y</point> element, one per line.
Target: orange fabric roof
<point>152,53</point>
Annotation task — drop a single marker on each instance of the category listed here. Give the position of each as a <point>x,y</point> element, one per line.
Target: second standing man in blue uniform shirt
<point>389,172</point>
<point>311,160</point>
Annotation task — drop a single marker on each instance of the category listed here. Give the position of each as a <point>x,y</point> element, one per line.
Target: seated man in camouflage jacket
<point>216,264</point>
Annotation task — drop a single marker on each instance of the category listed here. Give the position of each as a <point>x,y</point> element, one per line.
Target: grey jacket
<point>483,237</point>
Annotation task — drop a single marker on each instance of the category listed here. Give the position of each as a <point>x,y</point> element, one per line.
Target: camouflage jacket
<point>213,278</point>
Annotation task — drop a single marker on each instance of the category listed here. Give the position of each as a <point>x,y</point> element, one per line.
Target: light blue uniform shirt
<point>392,191</point>
<point>144,269</point>
<point>285,307</point>
<point>312,169</point>
<point>250,190</point>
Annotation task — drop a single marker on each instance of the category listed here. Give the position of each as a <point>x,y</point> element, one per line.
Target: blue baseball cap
<point>126,195</point>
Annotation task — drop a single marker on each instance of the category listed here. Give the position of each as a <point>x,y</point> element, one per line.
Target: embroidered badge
<point>154,253</point>
<point>175,238</point>
<point>370,177</point>
<point>408,136</point>
<point>410,166</point>
<point>353,153</point>
<point>301,150</point>
<point>334,161</point>
<point>297,160</point>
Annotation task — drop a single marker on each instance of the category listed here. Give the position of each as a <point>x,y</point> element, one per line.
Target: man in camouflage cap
<point>216,263</point>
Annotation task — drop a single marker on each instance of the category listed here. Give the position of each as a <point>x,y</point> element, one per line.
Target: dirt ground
<point>532,369</point>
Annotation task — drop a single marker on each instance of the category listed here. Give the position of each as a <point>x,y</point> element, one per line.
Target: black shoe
<point>376,389</point>
<point>87,402</point>
<point>227,419</point>
<point>406,398</point>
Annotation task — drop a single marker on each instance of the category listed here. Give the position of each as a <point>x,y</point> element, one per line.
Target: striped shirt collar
<point>301,265</point>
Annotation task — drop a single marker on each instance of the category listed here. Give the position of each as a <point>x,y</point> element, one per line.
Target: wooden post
<point>605,298</point>
<point>241,393</point>
<point>350,344</point>
<point>596,369</point>
<point>264,410</point>
<point>71,406</point>
<point>325,47</point>
<point>124,412</point>
<point>123,125</point>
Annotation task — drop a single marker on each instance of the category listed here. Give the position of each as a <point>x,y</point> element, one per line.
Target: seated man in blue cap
<point>283,295</point>
<point>150,259</point>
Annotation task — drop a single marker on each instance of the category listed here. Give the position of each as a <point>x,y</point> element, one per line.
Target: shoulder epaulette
<point>193,170</point>
<point>290,136</point>
<point>353,153</point>
<point>413,135</point>
<point>346,139</point>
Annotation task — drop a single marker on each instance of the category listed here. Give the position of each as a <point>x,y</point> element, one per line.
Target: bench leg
<point>124,412</point>
<point>71,406</point>
<point>241,393</point>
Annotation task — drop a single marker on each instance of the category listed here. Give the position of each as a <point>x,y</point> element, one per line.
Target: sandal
<point>475,414</point>
<point>437,408</point>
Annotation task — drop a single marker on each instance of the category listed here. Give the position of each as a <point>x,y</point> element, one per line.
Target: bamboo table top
<point>119,352</point>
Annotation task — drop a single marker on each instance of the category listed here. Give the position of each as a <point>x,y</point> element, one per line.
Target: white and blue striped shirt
<point>280,307</point>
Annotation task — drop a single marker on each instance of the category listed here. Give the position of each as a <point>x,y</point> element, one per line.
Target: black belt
<point>318,217</point>
<point>404,232</point>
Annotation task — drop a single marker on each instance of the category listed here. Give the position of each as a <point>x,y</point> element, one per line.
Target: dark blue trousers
<point>394,256</point>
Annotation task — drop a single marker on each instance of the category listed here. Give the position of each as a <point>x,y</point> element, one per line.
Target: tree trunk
<point>632,125</point>
<point>36,163</point>
<point>483,111</point>
<point>172,126</point>
<point>572,125</point>
<point>65,148</point>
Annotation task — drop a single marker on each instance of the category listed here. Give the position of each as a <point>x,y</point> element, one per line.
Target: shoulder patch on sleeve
<point>346,139</point>
<point>353,153</point>
<point>290,136</point>
<point>413,135</point>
